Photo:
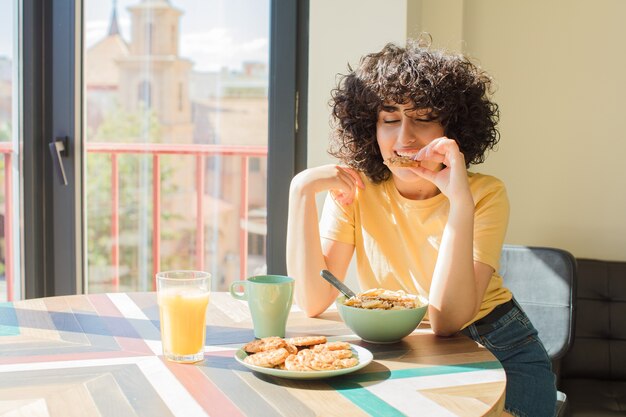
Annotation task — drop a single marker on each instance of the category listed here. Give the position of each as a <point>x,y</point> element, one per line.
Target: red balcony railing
<point>156,150</point>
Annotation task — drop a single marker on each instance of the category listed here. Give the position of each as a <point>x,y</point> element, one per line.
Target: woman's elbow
<point>310,310</point>
<point>445,326</point>
<point>445,331</point>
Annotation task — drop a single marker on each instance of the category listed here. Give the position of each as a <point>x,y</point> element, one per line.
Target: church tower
<point>153,76</point>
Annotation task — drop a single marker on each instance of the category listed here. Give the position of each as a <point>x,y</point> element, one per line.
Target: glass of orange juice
<point>183,297</point>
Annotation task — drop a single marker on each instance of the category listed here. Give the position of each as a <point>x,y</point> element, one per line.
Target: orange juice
<point>183,318</point>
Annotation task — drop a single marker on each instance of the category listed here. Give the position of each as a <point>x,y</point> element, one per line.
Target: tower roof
<point>114,28</point>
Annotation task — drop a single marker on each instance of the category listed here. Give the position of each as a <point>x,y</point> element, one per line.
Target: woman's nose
<point>406,135</point>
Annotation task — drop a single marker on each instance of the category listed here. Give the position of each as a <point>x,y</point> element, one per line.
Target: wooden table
<point>100,355</point>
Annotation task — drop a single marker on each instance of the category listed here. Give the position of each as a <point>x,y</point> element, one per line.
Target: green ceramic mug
<point>269,298</point>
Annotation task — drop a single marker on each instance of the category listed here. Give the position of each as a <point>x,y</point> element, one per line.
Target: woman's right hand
<point>341,181</point>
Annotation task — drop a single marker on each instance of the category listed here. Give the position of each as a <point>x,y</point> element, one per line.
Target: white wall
<point>559,67</point>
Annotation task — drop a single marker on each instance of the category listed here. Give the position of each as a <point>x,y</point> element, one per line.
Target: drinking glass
<point>183,297</point>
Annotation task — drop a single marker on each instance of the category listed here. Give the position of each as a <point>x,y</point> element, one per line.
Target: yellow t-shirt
<point>397,239</point>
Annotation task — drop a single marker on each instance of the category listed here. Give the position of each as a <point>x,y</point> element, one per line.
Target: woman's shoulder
<point>480,181</point>
<point>487,189</point>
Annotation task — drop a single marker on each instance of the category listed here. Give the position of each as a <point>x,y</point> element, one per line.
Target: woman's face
<point>403,131</point>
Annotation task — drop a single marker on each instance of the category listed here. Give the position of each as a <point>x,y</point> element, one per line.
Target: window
<point>131,213</point>
<point>181,94</point>
<point>144,95</point>
<point>149,33</point>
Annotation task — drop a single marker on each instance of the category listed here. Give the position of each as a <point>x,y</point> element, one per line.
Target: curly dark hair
<point>456,90</point>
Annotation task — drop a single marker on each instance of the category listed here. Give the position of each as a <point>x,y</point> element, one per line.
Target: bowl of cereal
<point>382,316</point>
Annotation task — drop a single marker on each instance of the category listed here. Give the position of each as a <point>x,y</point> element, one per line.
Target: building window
<point>180,97</point>
<point>173,38</point>
<point>149,36</point>
<point>144,93</point>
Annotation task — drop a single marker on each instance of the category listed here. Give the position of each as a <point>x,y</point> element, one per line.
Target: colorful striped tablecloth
<point>100,355</point>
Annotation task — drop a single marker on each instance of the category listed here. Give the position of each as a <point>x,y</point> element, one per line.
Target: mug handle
<point>239,295</point>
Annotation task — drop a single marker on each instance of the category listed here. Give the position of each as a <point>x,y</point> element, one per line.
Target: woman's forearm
<point>305,259</point>
<point>453,292</point>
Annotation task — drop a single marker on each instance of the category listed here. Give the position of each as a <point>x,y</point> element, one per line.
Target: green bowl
<point>381,326</point>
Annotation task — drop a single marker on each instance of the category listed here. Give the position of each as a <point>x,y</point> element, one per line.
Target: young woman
<point>429,226</point>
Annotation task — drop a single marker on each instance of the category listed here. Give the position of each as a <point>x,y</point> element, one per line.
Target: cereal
<point>374,304</point>
<point>304,354</point>
<point>378,298</point>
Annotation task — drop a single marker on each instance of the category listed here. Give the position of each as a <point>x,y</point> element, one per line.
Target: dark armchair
<point>593,373</point>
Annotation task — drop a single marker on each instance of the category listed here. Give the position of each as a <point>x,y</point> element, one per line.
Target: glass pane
<point>9,223</point>
<point>176,112</point>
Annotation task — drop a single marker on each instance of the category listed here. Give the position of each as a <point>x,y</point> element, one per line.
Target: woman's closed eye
<point>418,121</point>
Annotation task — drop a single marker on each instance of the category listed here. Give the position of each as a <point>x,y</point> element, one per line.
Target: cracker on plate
<point>303,353</point>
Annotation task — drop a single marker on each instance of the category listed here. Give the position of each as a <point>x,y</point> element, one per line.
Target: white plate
<point>364,356</point>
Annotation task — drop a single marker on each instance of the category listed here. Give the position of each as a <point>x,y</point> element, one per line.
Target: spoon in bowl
<point>343,288</point>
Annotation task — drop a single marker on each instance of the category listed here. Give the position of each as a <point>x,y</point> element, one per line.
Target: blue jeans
<point>530,387</point>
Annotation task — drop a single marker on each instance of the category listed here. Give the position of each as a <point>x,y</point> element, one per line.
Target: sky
<point>214,33</point>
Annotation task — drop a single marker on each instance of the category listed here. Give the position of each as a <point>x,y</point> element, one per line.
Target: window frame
<point>288,97</point>
<point>51,107</point>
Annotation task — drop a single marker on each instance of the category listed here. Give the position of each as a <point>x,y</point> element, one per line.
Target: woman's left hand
<point>452,179</point>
